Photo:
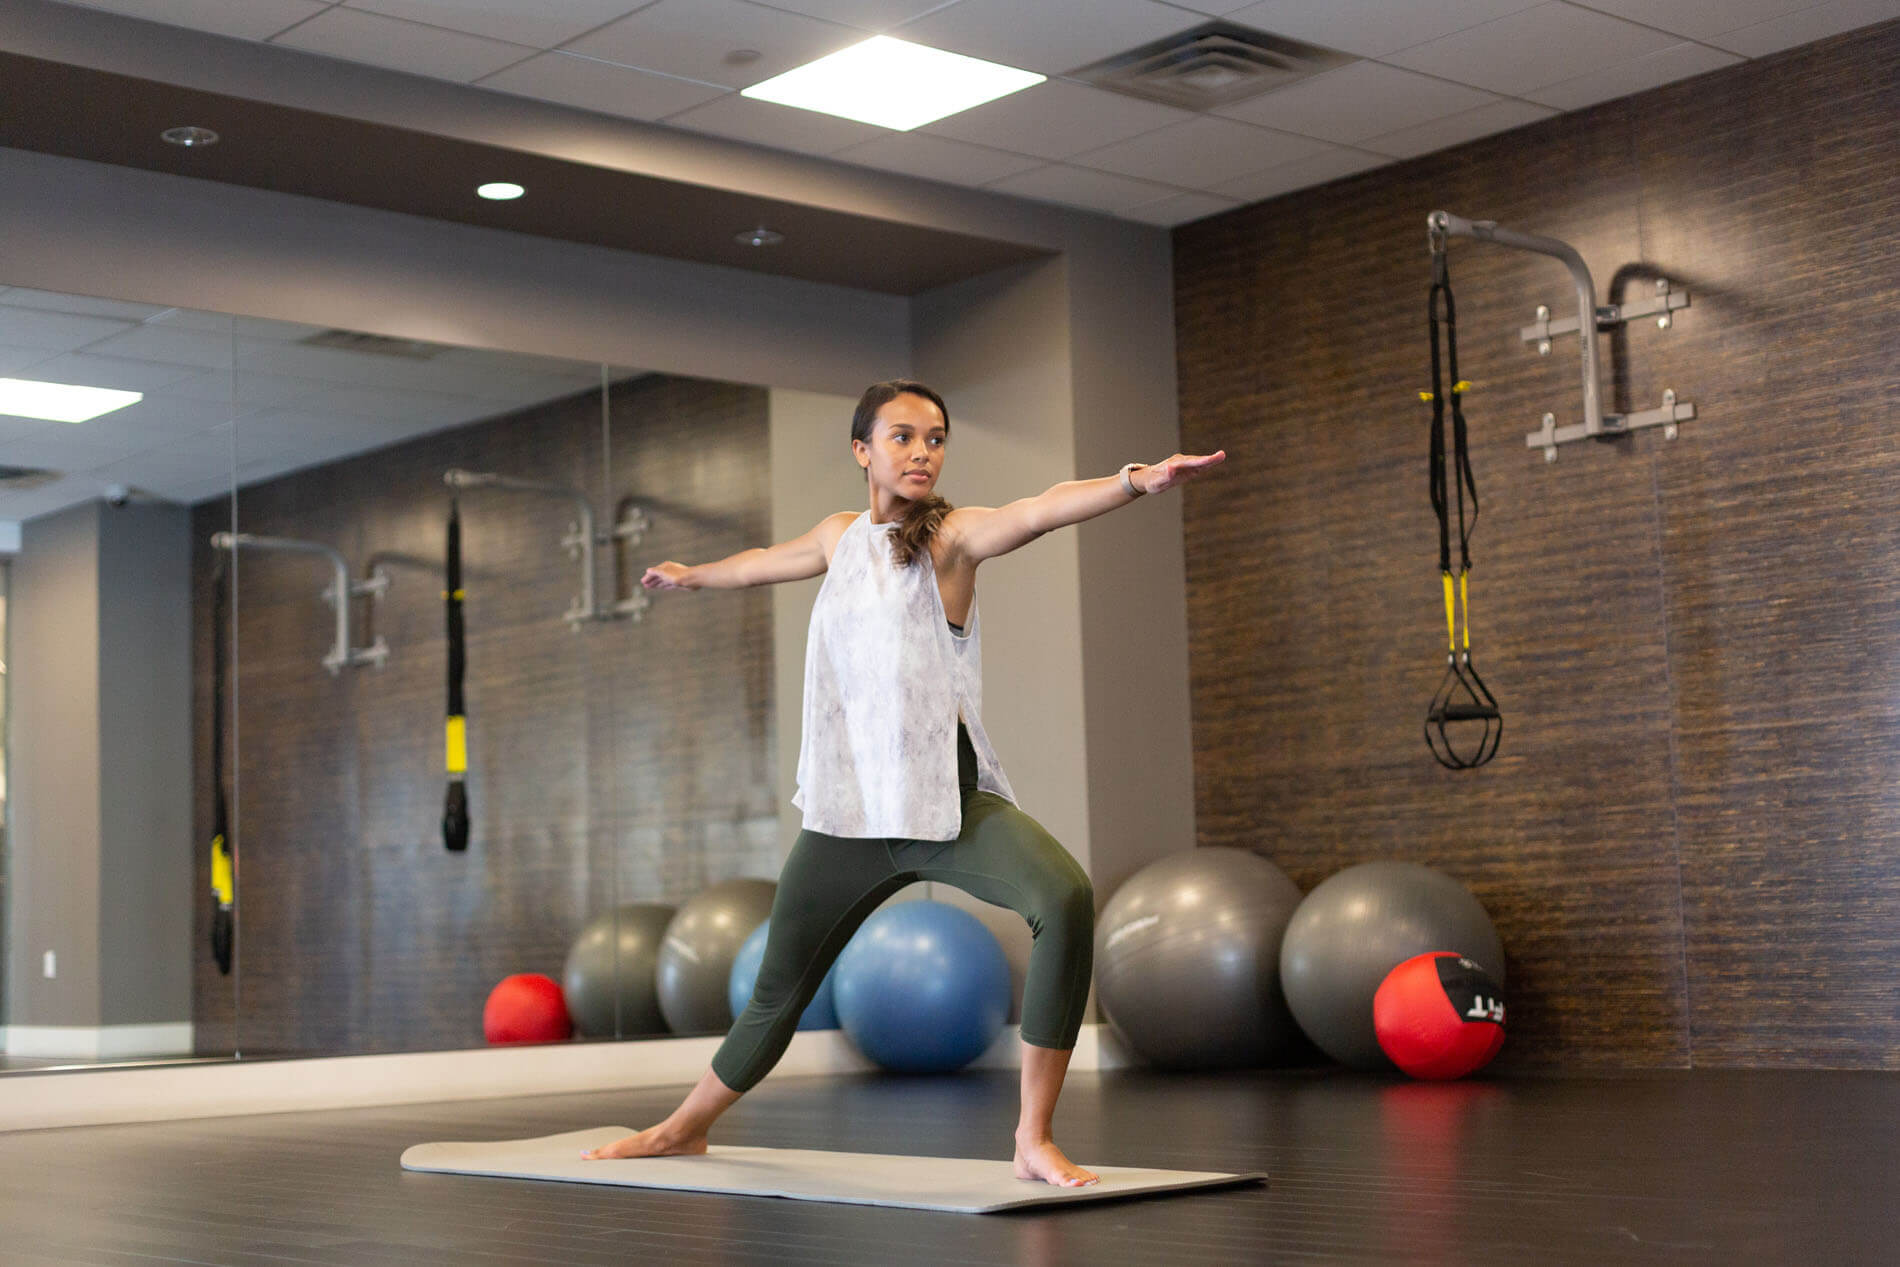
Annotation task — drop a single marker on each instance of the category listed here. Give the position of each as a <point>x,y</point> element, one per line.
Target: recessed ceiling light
<point>60,402</point>
<point>500,191</point>
<point>892,83</point>
<point>760,236</point>
<point>189,137</point>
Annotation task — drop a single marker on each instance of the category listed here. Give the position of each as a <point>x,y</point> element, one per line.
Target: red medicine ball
<point>526,1008</point>
<point>1439,1015</point>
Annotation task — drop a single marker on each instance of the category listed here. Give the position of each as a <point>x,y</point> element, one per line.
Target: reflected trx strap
<point>223,870</point>
<point>455,805</point>
<point>1462,696</point>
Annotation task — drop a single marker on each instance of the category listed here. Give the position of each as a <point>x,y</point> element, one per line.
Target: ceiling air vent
<point>374,344</point>
<point>1212,65</point>
<point>17,479</point>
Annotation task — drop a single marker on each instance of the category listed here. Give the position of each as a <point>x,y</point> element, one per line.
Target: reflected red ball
<point>1439,1015</point>
<point>526,1008</point>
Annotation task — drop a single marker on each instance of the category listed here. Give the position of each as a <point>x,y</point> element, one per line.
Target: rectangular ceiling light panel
<point>892,83</point>
<point>60,402</point>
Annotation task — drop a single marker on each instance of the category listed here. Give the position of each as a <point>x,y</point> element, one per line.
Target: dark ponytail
<point>926,514</point>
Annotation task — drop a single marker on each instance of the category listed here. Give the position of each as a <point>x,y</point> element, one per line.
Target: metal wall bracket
<point>580,541</point>
<point>1609,316</point>
<point>1596,424</point>
<point>341,653</point>
<point>1551,435</point>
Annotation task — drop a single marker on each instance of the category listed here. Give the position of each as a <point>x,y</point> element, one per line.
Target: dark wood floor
<point>1705,1167</point>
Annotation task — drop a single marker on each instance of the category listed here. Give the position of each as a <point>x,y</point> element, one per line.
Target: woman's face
<point>905,452</point>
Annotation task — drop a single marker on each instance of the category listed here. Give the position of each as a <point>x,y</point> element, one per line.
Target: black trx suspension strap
<point>455,804</point>
<point>223,869</point>
<point>1462,697</point>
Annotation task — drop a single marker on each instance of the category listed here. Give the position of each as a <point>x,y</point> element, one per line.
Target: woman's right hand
<point>668,576</point>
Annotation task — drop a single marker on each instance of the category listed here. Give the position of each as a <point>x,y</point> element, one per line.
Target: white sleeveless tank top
<point>885,683</point>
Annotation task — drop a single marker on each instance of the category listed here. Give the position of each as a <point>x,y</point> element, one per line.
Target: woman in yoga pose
<point>897,779</point>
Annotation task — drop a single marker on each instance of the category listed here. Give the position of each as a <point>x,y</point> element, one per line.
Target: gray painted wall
<point>100,783</point>
<point>144,673</point>
<point>54,781</point>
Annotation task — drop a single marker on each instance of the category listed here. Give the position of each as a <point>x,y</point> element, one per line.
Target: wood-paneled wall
<point>628,761</point>
<point>1691,839</point>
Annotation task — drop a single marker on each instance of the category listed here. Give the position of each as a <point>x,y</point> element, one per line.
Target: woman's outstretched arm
<point>795,560</point>
<point>983,533</point>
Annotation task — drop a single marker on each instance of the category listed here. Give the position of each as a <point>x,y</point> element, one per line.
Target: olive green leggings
<point>831,883</point>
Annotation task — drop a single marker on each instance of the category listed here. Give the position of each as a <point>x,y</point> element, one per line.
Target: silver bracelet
<point>1128,485</point>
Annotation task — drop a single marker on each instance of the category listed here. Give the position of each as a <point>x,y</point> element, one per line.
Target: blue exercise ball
<point>820,1013</point>
<point>922,988</point>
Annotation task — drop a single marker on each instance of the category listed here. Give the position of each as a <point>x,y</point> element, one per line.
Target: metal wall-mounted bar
<point>338,595</point>
<point>1442,224</point>
<point>581,540</point>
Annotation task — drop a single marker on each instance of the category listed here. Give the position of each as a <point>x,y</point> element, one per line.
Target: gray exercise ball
<point>608,978</point>
<point>1358,925</point>
<point>1187,960</point>
<point>696,954</point>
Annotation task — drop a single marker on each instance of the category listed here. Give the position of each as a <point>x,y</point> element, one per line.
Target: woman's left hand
<point>1176,470</point>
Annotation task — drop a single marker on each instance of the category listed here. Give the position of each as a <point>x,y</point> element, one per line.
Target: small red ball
<point>526,1008</point>
<point>1439,1015</point>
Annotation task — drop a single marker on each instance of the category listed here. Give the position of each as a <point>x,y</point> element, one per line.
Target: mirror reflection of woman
<point>897,778</point>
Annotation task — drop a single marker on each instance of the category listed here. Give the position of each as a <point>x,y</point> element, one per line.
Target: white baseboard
<point>32,1100</point>
<point>97,1042</point>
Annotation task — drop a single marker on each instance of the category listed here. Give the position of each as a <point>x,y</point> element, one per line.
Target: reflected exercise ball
<point>1187,960</point>
<point>820,1013</point>
<point>610,968</point>
<point>923,987</point>
<point>696,954</point>
<point>526,1008</point>
<point>1354,928</point>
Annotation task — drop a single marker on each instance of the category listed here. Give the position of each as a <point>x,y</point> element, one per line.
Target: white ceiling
<point>1434,73</point>
<point>232,395</point>
<point>1431,74</point>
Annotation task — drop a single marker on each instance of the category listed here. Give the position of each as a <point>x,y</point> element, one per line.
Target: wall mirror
<point>267,534</point>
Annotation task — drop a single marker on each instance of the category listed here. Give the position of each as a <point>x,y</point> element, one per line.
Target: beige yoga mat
<point>961,1184</point>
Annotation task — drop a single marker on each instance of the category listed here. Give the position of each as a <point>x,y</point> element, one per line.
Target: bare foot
<point>1041,1159</point>
<point>654,1141</point>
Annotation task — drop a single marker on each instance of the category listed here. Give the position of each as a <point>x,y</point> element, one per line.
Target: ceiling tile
<point>1806,26</point>
<point>867,15</point>
<point>1201,153</point>
<point>937,158</point>
<point>205,349</point>
<point>1051,36</point>
<point>55,331</point>
<point>1372,28</point>
<point>1056,119</point>
<point>1678,61</point>
<point>112,372</point>
<point>1698,19</point>
<point>399,45</point>
<point>244,19</point>
<point>603,86</point>
<point>691,38</point>
<point>53,301</point>
<point>1080,187</point>
<point>1301,174</point>
<point>1357,101</point>
<point>532,22</point>
<point>783,127</point>
<point>1456,129</point>
<point>47,498</point>
<point>1527,50</point>
<point>1179,209</point>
